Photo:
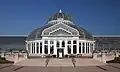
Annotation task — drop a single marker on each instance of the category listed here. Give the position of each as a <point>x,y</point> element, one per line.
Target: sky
<point>20,17</point>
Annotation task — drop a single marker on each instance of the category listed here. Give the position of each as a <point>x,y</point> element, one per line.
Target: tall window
<point>80,47</point>
<point>69,42</point>
<point>46,49</point>
<point>74,49</point>
<point>63,44</point>
<point>51,47</point>
<point>69,47</point>
<point>34,47</point>
<point>74,46</point>
<point>86,48</point>
<point>58,44</point>
<point>83,50</point>
<point>40,47</point>
<point>74,42</point>
<point>37,45</point>
<point>46,42</point>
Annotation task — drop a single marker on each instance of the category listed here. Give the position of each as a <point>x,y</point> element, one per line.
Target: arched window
<point>69,42</point>
<point>69,49</point>
<point>58,44</point>
<point>63,44</point>
<point>74,49</point>
<point>74,42</point>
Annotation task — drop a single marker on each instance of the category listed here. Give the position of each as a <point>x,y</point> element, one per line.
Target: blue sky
<point>99,17</point>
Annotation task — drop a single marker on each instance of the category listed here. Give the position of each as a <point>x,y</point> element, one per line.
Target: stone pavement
<point>87,62</point>
<point>102,68</point>
<point>31,62</point>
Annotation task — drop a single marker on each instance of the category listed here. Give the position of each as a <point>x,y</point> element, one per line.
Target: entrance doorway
<point>60,52</point>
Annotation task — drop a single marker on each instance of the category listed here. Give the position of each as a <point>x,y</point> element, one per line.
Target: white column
<point>81,47</point>
<point>77,47</point>
<point>48,46</point>
<point>43,47</point>
<point>65,50</point>
<point>85,47</point>
<point>71,46</point>
<point>55,48</point>
<point>35,48</point>
<point>60,41</point>
<point>30,47</point>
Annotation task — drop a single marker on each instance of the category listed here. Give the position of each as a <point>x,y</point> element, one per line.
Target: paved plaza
<point>59,65</point>
<point>102,68</point>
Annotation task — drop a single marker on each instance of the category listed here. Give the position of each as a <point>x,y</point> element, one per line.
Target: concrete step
<point>60,62</point>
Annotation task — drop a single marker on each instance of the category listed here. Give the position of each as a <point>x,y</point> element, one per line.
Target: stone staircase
<point>60,62</point>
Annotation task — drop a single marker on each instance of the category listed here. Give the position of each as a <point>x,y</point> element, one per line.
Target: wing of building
<point>59,37</point>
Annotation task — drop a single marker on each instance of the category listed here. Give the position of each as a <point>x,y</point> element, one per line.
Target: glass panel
<point>69,49</point>
<point>40,43</point>
<point>58,44</point>
<point>51,49</point>
<point>69,42</point>
<point>51,42</point>
<point>40,48</point>
<point>34,48</point>
<point>46,42</point>
<point>74,49</point>
<point>83,48</point>
<point>46,49</point>
<point>37,47</point>
<point>74,42</point>
<point>63,44</point>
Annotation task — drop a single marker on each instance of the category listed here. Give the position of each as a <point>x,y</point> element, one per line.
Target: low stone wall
<point>16,57</point>
<point>104,56</point>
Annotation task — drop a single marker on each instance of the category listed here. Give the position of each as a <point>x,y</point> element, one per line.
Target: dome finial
<point>60,11</point>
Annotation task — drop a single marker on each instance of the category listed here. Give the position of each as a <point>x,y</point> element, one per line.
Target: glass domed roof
<point>37,33</point>
<point>60,15</point>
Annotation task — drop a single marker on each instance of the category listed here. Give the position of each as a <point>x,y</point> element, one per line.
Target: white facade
<point>60,37</point>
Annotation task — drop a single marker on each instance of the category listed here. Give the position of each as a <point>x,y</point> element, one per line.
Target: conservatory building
<point>60,37</point>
